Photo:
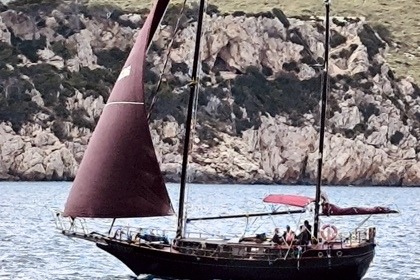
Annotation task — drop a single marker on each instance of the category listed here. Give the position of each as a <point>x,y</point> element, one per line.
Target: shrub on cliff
<point>96,82</point>
<point>190,12</point>
<point>8,55</point>
<point>59,130</point>
<point>170,103</point>
<point>65,51</point>
<point>2,7</point>
<point>29,48</point>
<point>357,129</point>
<point>396,138</point>
<point>81,119</point>
<point>337,39</point>
<point>371,41</point>
<point>16,105</point>
<point>285,95</point>
<point>34,6</point>
<point>46,81</point>
<point>367,110</point>
<point>112,59</point>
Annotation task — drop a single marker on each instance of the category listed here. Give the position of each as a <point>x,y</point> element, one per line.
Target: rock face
<point>259,110</point>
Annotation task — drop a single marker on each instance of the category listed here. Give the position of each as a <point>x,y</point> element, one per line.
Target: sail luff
<point>193,88</point>
<point>119,175</point>
<point>323,114</point>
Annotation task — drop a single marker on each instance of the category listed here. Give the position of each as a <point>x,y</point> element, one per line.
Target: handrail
<point>204,244</point>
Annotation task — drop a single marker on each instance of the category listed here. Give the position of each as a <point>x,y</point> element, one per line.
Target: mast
<point>193,87</point>
<point>325,80</point>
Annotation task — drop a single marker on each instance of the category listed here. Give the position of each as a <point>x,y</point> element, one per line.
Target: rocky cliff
<point>258,108</point>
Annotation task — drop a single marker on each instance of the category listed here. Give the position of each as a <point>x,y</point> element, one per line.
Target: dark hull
<point>351,264</point>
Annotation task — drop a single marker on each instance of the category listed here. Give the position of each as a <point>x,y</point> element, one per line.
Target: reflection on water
<point>31,248</point>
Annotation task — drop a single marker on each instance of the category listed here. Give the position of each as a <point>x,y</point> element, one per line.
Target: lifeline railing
<point>136,235</point>
<point>124,233</point>
<point>68,223</point>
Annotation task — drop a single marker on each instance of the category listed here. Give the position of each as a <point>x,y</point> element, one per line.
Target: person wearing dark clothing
<point>303,236</point>
<point>276,237</point>
<point>308,227</point>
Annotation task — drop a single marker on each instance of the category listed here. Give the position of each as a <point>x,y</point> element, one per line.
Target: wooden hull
<point>338,263</point>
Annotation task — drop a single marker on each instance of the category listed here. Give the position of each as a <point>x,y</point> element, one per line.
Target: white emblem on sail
<point>124,73</point>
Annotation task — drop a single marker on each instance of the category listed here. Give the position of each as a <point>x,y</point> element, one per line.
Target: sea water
<point>32,248</point>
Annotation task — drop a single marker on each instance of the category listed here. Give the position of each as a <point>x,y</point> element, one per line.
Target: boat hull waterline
<point>343,263</point>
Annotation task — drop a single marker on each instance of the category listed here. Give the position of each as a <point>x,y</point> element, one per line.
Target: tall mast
<point>325,81</point>
<point>193,87</point>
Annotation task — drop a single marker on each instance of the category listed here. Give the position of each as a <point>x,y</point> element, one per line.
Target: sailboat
<point>119,177</point>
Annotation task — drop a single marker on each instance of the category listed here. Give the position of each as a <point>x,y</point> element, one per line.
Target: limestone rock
<point>372,123</point>
<point>85,56</point>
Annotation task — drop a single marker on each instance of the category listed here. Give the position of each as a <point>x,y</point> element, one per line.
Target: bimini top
<point>290,200</point>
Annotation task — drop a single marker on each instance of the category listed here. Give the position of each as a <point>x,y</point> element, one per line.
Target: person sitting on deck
<point>276,237</point>
<point>289,235</point>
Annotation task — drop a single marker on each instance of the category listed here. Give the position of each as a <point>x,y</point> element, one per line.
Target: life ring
<point>328,232</point>
<point>339,253</point>
<point>320,254</point>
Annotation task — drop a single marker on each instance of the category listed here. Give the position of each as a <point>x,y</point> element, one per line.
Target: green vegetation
<point>252,92</point>
<point>170,103</point>
<point>65,51</point>
<point>16,105</point>
<point>371,41</point>
<point>29,47</point>
<point>81,119</point>
<point>8,55</point>
<point>58,128</point>
<point>46,81</point>
<point>368,110</point>
<point>396,138</point>
<point>396,21</point>
<point>33,7</point>
<point>285,95</point>
<point>112,59</point>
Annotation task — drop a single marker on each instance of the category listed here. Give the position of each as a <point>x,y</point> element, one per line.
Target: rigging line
<point>186,148</point>
<point>363,222</point>
<point>193,134</point>
<point>323,114</point>
<point>195,106</point>
<point>273,221</point>
<point>170,45</point>
<point>245,230</point>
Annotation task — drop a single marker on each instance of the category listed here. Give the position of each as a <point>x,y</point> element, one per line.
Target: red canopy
<point>291,200</point>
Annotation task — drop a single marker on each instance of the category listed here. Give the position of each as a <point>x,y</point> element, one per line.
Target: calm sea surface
<point>31,247</point>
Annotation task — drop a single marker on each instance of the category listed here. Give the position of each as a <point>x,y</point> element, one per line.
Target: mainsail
<point>334,210</point>
<point>119,176</point>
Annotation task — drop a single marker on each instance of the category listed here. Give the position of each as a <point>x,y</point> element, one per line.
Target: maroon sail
<point>329,209</point>
<point>119,175</point>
